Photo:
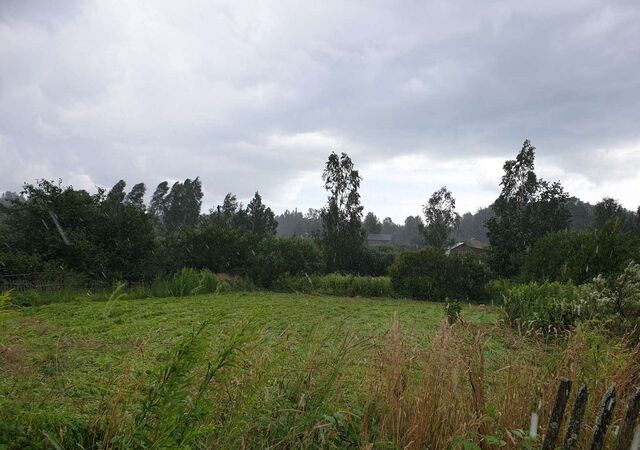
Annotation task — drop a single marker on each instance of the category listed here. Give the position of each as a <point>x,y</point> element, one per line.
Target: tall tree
<point>179,207</point>
<point>372,224</point>
<point>157,205</point>
<point>609,210</point>
<point>135,196</point>
<point>117,194</point>
<point>260,218</point>
<point>342,234</point>
<point>441,218</point>
<point>526,209</point>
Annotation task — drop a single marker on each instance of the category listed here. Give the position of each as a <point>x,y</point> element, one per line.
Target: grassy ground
<point>303,370</point>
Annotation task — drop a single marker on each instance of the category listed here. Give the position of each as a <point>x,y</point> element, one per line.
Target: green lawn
<point>64,365</point>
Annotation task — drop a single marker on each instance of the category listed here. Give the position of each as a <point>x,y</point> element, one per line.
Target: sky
<point>254,95</point>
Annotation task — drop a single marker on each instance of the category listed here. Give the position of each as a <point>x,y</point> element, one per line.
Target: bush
<point>580,256</point>
<point>615,303</point>
<point>432,275</point>
<point>212,247</point>
<point>549,307</point>
<point>276,258</point>
<point>335,284</point>
<point>375,261</point>
<point>496,290</point>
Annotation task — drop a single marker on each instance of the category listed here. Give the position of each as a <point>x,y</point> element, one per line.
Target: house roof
<point>472,243</point>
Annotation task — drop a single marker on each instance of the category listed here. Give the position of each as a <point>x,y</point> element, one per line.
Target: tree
<point>609,210</point>
<point>92,234</point>
<point>526,209</point>
<point>116,194</point>
<point>342,234</point>
<point>135,196</point>
<point>371,224</point>
<point>441,218</point>
<point>295,223</point>
<point>177,208</point>
<point>157,205</point>
<point>260,218</point>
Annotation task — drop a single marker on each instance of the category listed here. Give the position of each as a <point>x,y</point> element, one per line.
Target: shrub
<point>335,284</point>
<point>549,307</point>
<point>432,275</point>
<point>614,303</point>
<point>580,256</point>
<point>375,261</point>
<point>497,290</point>
<point>276,258</point>
<point>218,249</point>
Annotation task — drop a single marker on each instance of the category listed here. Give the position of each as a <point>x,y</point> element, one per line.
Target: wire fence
<point>47,281</point>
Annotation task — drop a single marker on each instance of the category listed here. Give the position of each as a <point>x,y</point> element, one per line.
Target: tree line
<point>114,234</point>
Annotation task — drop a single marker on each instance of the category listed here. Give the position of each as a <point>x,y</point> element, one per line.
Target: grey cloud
<point>247,94</point>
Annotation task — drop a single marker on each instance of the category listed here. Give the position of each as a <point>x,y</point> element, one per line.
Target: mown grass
<point>299,370</point>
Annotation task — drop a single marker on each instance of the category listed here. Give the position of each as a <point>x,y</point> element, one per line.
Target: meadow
<point>269,370</point>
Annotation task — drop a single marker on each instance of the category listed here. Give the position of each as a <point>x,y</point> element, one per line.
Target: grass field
<point>295,370</point>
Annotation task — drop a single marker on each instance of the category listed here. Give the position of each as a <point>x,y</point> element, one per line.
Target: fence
<point>627,436</point>
<point>46,281</point>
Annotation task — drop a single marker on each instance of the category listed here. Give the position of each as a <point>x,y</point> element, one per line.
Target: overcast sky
<point>254,95</point>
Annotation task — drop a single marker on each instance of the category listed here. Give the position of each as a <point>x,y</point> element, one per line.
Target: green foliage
<point>335,284</point>
<point>372,224</point>
<point>441,218</point>
<point>185,282</point>
<point>453,310</point>
<point>176,402</point>
<point>276,258</point>
<point>609,211</point>
<point>219,249</point>
<point>256,218</point>
<point>177,208</point>
<point>375,261</point>
<point>432,275</point>
<point>549,307</point>
<point>98,235</point>
<point>581,256</point>
<point>615,303</point>
<point>497,289</point>
<point>342,234</point>
<point>5,299</point>
<point>526,209</point>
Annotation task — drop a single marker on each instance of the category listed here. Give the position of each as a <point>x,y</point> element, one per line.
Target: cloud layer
<point>253,95</point>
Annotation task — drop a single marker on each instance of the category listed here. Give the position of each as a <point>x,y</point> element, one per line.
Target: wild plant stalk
<point>171,412</point>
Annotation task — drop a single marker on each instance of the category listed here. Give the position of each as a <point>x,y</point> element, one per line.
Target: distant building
<point>471,246</point>
<point>376,240</point>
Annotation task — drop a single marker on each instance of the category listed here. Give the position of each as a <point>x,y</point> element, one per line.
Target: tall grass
<point>184,283</point>
<point>336,284</point>
<point>176,401</point>
<point>461,390</point>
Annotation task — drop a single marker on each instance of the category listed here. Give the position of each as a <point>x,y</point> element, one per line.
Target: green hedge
<point>580,256</point>
<point>431,275</point>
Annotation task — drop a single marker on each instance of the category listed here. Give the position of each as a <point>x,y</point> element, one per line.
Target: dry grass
<point>444,395</point>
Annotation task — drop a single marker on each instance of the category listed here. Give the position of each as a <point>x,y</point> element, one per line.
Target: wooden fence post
<point>604,418</point>
<point>555,420</point>
<point>625,434</point>
<point>575,422</point>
